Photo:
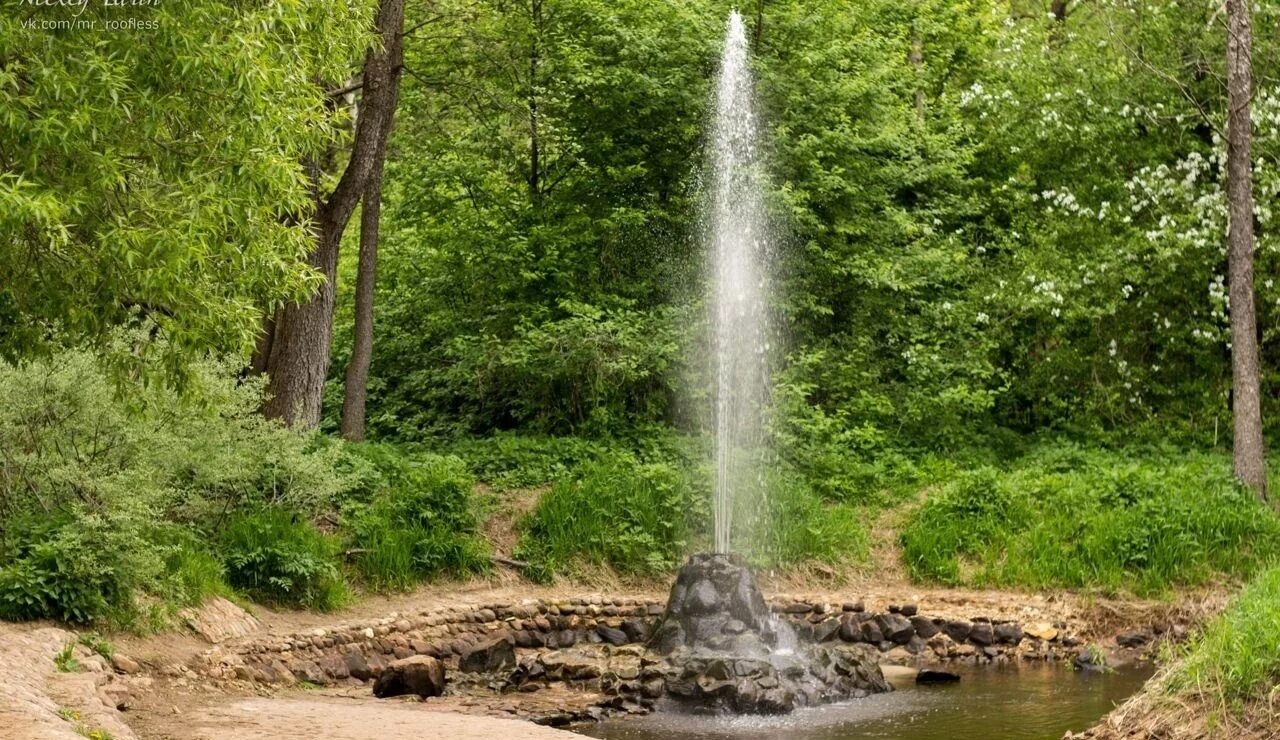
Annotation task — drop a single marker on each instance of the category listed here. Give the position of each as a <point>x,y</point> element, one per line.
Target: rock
<point>924,626</point>
<point>703,598</point>
<point>1008,632</point>
<point>908,610</point>
<point>957,629</point>
<point>895,628</point>
<point>935,677</point>
<point>637,630</point>
<point>115,695</point>
<point>871,632</point>
<point>1133,639</point>
<point>611,635</point>
<point>981,634</point>
<point>1041,631</point>
<point>1090,660</point>
<point>357,666</point>
<point>421,675</point>
<point>124,664</point>
<point>309,671</point>
<point>826,630</point>
<point>496,654</point>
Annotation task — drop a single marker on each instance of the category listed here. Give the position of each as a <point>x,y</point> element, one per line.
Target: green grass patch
<point>1117,521</point>
<point>1236,659</point>
<point>635,517</point>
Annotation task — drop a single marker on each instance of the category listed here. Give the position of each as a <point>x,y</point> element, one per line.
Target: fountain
<point>721,647</point>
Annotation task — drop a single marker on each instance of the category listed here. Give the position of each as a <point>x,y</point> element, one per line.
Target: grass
<point>65,661</point>
<point>1067,517</point>
<point>1236,659</point>
<point>634,517</point>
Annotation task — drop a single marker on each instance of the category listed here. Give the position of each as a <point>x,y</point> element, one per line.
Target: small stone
<point>982,634</point>
<point>124,664</point>
<point>1041,631</point>
<point>908,610</point>
<point>1133,639</point>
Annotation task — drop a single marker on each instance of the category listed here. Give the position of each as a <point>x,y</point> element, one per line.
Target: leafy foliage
<point>132,196</point>
<point>277,557</point>
<point>419,522</point>
<point>636,517</point>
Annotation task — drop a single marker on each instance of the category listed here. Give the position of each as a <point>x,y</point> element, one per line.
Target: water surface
<point>1029,702</point>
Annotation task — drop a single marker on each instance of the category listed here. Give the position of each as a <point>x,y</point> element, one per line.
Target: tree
<point>356,378</point>
<point>296,353</point>
<point>1245,364</point>
<point>144,179</point>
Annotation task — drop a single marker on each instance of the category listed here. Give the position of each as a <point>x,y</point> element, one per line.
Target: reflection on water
<point>1030,702</point>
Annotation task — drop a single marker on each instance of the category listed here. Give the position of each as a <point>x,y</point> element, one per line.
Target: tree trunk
<point>356,380</point>
<point>916,57</point>
<point>535,137</point>
<point>1245,363</point>
<point>298,362</point>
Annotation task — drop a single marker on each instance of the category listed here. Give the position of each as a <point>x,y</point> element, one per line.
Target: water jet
<point>721,647</point>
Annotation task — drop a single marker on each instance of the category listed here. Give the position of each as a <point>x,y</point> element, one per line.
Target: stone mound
<point>723,650</point>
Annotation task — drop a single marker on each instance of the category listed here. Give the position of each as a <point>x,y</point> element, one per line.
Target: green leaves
<point>150,174</point>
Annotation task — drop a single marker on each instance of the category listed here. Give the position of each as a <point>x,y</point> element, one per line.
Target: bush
<point>110,492</point>
<point>1063,517</point>
<point>416,520</point>
<point>636,517</point>
<point>277,557</point>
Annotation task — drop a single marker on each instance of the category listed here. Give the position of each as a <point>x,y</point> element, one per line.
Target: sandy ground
<point>301,718</point>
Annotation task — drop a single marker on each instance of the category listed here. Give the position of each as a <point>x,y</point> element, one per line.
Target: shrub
<point>110,491</point>
<point>1063,517</point>
<point>616,511</point>
<point>277,556</point>
<point>416,520</point>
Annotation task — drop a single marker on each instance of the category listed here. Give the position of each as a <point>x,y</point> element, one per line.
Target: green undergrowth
<point>643,512</point>
<point>1142,521</point>
<point>1236,659</point>
<point>120,505</point>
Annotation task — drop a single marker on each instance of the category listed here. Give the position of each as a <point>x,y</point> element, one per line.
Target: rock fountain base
<point>722,650</point>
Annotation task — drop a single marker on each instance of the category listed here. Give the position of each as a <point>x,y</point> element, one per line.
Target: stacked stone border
<point>361,650</point>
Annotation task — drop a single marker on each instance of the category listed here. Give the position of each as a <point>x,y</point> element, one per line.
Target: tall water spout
<point>738,234</point>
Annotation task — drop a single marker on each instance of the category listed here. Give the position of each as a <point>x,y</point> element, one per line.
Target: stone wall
<point>360,650</point>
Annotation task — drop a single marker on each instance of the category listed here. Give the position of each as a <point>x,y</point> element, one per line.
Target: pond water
<point>1029,702</point>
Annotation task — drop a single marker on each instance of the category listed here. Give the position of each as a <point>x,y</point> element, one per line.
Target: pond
<point>1029,702</point>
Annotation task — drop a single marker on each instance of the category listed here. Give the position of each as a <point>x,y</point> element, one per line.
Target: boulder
<point>1009,633</point>
<point>611,635</point>
<point>928,677</point>
<point>895,628</point>
<point>421,675</point>
<point>982,634</point>
<point>924,626</point>
<point>496,654</point>
<point>957,629</point>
